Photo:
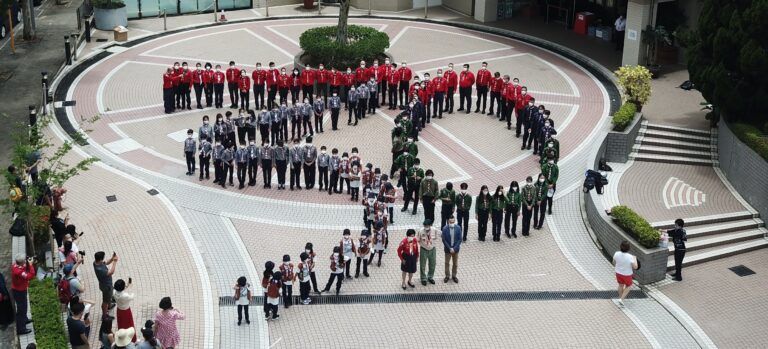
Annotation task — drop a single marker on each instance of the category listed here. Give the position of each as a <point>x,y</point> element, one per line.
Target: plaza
<point>190,239</point>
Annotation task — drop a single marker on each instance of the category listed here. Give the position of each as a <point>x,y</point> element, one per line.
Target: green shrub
<point>752,137</point>
<point>46,311</point>
<point>365,43</point>
<point>624,116</point>
<point>636,226</point>
<point>107,4</point>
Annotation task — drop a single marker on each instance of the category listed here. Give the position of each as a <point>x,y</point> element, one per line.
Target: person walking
<point>165,323</point>
<point>625,265</point>
<point>337,270</point>
<point>123,300</point>
<point>408,251</point>
<point>679,237</point>
<point>243,298</point>
<point>21,273</point>
<point>452,237</point>
<point>427,235</point>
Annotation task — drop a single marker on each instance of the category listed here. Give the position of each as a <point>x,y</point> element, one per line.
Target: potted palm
<point>654,38</point>
<point>109,14</point>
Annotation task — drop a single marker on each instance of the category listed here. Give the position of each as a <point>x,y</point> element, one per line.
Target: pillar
<point>486,10</point>
<point>638,16</point>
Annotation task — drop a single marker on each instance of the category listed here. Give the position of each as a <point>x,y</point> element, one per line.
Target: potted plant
<point>653,37</point>
<point>635,82</point>
<point>109,14</point>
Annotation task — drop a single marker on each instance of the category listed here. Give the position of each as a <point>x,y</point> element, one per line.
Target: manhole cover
<point>741,270</point>
<point>111,198</point>
<point>153,192</point>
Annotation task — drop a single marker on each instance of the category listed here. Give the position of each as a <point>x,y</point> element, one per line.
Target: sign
<point>632,34</point>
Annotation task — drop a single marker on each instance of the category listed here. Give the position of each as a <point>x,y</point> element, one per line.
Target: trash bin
<point>583,20</point>
<point>121,33</point>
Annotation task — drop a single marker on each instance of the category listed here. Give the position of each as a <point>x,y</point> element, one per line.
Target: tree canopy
<point>728,58</point>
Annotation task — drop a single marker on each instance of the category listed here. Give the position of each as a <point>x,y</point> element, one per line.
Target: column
<point>486,10</point>
<point>638,15</point>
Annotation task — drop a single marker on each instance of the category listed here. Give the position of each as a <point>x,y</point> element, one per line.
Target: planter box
<point>107,19</point>
<point>619,144</point>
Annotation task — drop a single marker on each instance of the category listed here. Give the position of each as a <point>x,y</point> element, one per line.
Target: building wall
<point>619,144</point>
<point>744,168</point>
<point>388,5</point>
<point>420,3</point>
<point>638,12</point>
<point>463,6</point>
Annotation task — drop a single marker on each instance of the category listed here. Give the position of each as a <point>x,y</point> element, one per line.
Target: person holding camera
<point>78,327</point>
<point>123,300</point>
<point>104,270</point>
<point>21,273</point>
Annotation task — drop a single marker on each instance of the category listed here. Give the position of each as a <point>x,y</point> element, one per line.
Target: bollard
<point>33,134</point>
<point>319,8</point>
<point>165,20</point>
<point>32,115</point>
<point>266,3</point>
<point>77,44</point>
<point>426,7</point>
<point>87,30</point>
<point>44,83</point>
<point>68,50</point>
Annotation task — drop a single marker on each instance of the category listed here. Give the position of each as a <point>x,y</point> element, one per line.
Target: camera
<point>82,253</point>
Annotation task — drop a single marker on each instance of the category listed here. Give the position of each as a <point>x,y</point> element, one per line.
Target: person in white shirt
<point>618,36</point>
<point>625,265</point>
<point>123,300</point>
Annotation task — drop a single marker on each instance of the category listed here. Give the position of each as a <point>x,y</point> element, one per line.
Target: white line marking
<point>256,12</point>
<point>275,343</point>
<point>193,59</point>
<point>383,27</point>
<point>397,37</point>
<point>463,145</point>
<point>173,42</point>
<point>461,34</point>
<point>163,156</point>
<point>678,313</point>
<point>282,35</point>
<point>688,192</point>
<point>640,326</point>
<point>477,61</point>
<point>680,193</point>
<point>664,192</point>
<point>270,43</point>
<point>460,55</point>
<point>102,83</point>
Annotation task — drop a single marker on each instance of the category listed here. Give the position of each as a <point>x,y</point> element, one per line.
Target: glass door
<point>205,5</point>
<point>149,8</point>
<point>171,7</point>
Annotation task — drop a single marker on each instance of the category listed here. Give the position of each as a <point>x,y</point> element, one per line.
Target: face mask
<point>415,166</point>
<point>524,92</point>
<point>547,124</point>
<point>485,192</point>
<point>531,104</point>
<point>370,202</point>
<point>322,152</point>
<point>354,153</point>
<point>451,224</point>
<point>484,67</point>
<point>440,72</point>
<point>362,66</point>
<point>218,70</point>
<point>514,188</point>
<point>189,136</point>
<point>450,68</point>
<point>335,254</point>
<point>321,67</point>
<point>410,140</point>
<point>197,67</point>
<point>345,158</point>
<point>541,180</point>
<point>207,68</point>
<point>466,69</point>
<point>308,251</point>
<point>334,95</point>
<point>404,65</point>
<point>463,191</point>
<point>346,237</point>
<point>417,87</point>
<point>205,122</point>
<point>349,71</point>
<point>528,182</point>
<point>410,238</point>
<point>231,65</point>
<point>253,143</point>
<point>429,177</point>
<point>285,263</point>
<point>551,162</point>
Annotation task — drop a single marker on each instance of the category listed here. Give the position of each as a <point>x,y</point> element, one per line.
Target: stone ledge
<point>744,168</point>
<point>619,144</point>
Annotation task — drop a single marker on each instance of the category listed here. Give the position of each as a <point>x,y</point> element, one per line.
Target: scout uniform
<point>344,173</point>
<point>218,88</point>
<point>482,209</point>
<point>540,208</point>
<point>259,77</point>
<point>333,166</point>
<point>197,83</point>
<point>288,273</point>
<point>380,239</point>
<point>427,237</point>
<point>498,203</point>
<point>323,161</point>
<point>337,271</point>
<point>308,78</point>
<point>528,198</point>
<point>272,76</point>
<point>405,75</point>
<point>529,125</point>
<point>414,177</point>
<point>549,152</point>
<point>363,251</point>
<point>348,250</point>
<point>403,163</point>
<point>373,96</point>
<point>448,199</point>
<point>496,85</point>
<point>241,158</point>
<point>319,109</point>
<point>511,211</point>
<point>550,171</point>
<point>483,80</point>
<point>218,169</point>
<point>463,202</point>
<point>387,195</point>
<point>233,75</point>
<point>281,155</point>
<point>266,164</point>
<point>439,87</point>
<point>335,104</point>
<point>253,163</point>
<point>244,86</point>
<point>227,157</point>
<point>352,105</point>
<point>363,93</point>
<point>310,157</point>
<point>275,124</point>
<point>205,130</point>
<point>265,120</point>
<point>296,157</point>
<point>295,113</point>
<point>306,111</point>
<point>428,190</point>
<point>304,276</point>
<point>285,114</point>
<point>205,149</point>
<point>190,146</point>
<point>372,210</point>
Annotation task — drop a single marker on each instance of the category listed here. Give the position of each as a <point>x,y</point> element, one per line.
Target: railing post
<point>426,8</point>
<point>44,83</point>
<point>319,7</point>
<point>165,20</point>
<point>266,3</point>
<point>369,7</point>
<point>67,50</point>
<point>75,39</point>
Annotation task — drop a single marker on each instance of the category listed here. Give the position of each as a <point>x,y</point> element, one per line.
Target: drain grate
<point>153,192</point>
<point>111,198</point>
<point>102,40</point>
<point>742,270</point>
<point>451,297</point>
<point>68,103</point>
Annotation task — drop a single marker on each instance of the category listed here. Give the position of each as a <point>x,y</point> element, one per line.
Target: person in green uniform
<point>429,192</point>
<point>528,197</point>
<point>414,176</point>
<point>549,152</point>
<point>482,209</point>
<point>513,209</point>
<point>403,164</point>
<point>397,148</point>
<point>498,203</point>
<point>463,204</point>
<point>551,171</point>
<point>539,210</point>
<point>448,199</point>
<point>411,147</point>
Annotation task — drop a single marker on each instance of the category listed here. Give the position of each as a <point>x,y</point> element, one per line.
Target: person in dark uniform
<point>482,210</point>
<point>413,183</point>
<point>323,161</point>
<point>540,209</point>
<point>309,162</point>
<point>679,237</point>
<point>253,161</point>
<point>448,199</point>
<point>528,197</point>
<point>551,171</point>
<point>205,148</point>
<point>335,104</point>
<point>228,163</point>
<point>296,157</point>
<point>265,120</point>
<point>218,169</point>
<point>530,119</point>
<point>498,204</point>
<point>275,124</point>
<point>513,209</point>
<point>190,145</point>
<point>318,109</point>
<point>463,205</point>
<point>428,190</point>
<point>281,163</point>
<point>266,163</point>
<point>241,158</point>
<point>352,104</point>
<point>306,111</point>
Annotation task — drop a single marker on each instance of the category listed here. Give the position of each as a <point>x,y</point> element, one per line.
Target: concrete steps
<point>644,148</point>
<point>713,219</point>
<point>684,137</point>
<point>673,145</point>
<point>671,159</point>
<point>695,244</point>
<point>689,131</point>
<point>713,253</point>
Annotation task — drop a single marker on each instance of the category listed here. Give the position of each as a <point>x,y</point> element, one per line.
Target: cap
<point>67,269</point>
<point>427,221</point>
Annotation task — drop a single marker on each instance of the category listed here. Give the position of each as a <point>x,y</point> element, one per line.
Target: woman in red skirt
<point>408,251</point>
<point>123,300</point>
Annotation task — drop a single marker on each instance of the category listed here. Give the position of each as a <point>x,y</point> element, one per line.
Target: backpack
<point>16,194</point>
<point>65,294</point>
<point>687,85</point>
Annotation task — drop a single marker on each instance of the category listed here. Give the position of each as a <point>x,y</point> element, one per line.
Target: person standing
<point>165,323</point>
<point>405,74</point>
<point>380,239</point>
<point>428,191</point>
<point>218,167</point>
<point>267,153</point>
<point>540,210</point>
<point>259,78</point>
<point>625,265</point>
<point>498,203</point>
<point>306,111</point>
<point>466,80</point>
<point>618,36</point>
<point>679,237</point>
<point>190,146</point>
<point>208,77</point>
<point>452,238</point>
<point>288,277</point>
<point>551,171</point>
<point>413,185</point>
<point>363,95</point>
<point>323,162</point>
<point>393,79</point>
<point>218,87</point>
<point>496,85</point>
<point>276,122</point>
<point>352,104</point>
<point>319,111</point>
<point>512,210</point>
<point>168,91</point>
<point>322,77</point>
<point>233,77</point>
<point>373,95</point>
<point>273,287</point>
<point>294,84</point>
<point>337,270</point>
<point>197,83</point>
<point>185,87</point>
<point>253,154</point>
<point>243,298</point>
<point>304,278</point>
<point>530,121</point>
<point>482,83</point>
<point>463,205</point>
<point>296,156</point>
<point>228,164</point>
<point>335,104</point>
<point>528,197</point>
<point>104,270</point>
<point>363,251</point>
<point>78,328</point>
<point>21,273</point>
<point>482,209</point>
<point>310,250</point>
<point>205,151</point>
<point>348,82</point>
<point>272,76</point>
<point>448,199</point>
<point>280,153</point>
<point>241,158</point>
<point>6,306</point>
<point>309,157</point>
<point>439,88</point>
<point>336,80</point>
<point>333,167</point>
<point>123,300</point>
<point>408,251</point>
<point>427,235</point>
<point>307,83</point>
<point>348,249</point>
<point>452,80</point>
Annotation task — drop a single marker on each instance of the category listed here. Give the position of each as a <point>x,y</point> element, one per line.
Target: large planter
<point>108,19</point>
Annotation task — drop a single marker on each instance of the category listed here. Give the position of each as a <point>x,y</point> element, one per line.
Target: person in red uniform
<point>197,83</point>
<point>439,87</point>
<point>516,92</point>
<point>218,87</point>
<point>416,84</point>
<point>233,77</point>
<point>322,76</point>
<point>405,75</point>
<point>466,80</point>
<point>186,87</point>
<point>482,82</point>
<point>208,84</point>
<point>361,74</point>
<point>21,273</point>
<point>392,79</point>
<point>308,77</point>
<point>244,86</point>
<point>336,80</point>
<point>408,251</point>
<point>168,90</point>
<point>508,101</point>
<point>272,76</point>
<point>427,91</point>
<point>453,83</point>
<point>349,80</point>
<point>375,73</point>
<point>496,83</point>
<point>259,79</point>
<point>295,86</point>
<point>384,72</point>
<point>177,72</point>
<point>284,83</point>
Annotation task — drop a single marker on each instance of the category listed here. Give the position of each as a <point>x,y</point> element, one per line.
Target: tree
<point>54,171</point>
<point>728,58</point>
<point>27,11</point>
<point>341,28</point>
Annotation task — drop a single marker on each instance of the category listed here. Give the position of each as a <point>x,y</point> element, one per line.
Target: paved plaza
<point>190,239</point>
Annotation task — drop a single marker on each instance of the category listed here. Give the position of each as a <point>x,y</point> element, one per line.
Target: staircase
<point>720,236</point>
<point>674,145</point>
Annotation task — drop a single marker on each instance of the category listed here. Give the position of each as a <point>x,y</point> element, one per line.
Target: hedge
<point>752,137</point>
<point>636,226</point>
<point>108,4</point>
<point>365,43</point>
<point>46,311</point>
<point>624,116</point>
